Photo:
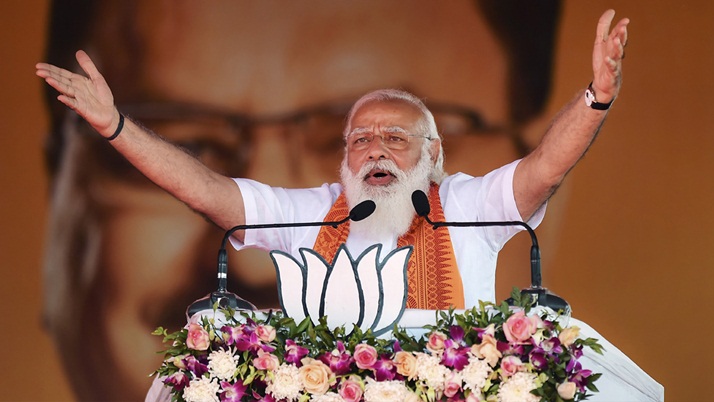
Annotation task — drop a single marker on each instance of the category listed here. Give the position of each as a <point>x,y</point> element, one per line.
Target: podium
<point>622,379</point>
<point>371,294</point>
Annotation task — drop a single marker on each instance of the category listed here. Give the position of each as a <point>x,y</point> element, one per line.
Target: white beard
<point>395,212</point>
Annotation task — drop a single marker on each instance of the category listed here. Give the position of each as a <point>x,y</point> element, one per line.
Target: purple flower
<point>551,346</point>
<point>338,360</point>
<point>177,380</point>
<point>510,348</point>
<point>384,369</point>
<point>539,360</point>
<point>232,392</point>
<point>576,351</point>
<point>581,379</point>
<point>197,367</point>
<point>294,352</point>
<point>454,355</point>
<point>578,375</point>
<point>249,343</point>
<point>232,334</point>
<point>457,333</point>
<point>260,398</point>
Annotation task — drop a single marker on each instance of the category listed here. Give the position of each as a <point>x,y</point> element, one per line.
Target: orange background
<point>634,254</point>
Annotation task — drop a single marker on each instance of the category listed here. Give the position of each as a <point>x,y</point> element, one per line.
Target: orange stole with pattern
<point>432,275</point>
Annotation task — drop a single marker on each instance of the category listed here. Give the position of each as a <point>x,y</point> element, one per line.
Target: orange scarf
<point>433,277</point>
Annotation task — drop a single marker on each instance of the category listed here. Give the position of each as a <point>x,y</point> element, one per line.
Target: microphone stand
<point>536,292</point>
<point>226,299</point>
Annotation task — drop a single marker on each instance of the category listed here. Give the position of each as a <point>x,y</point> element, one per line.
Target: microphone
<point>223,297</point>
<point>536,291</point>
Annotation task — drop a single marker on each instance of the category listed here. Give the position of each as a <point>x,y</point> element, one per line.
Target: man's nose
<point>377,149</point>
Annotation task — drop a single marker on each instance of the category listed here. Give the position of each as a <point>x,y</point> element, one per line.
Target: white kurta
<point>464,199</point>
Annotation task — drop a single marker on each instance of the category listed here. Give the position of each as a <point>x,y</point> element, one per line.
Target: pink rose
<point>510,365</point>
<point>566,390</point>
<point>487,350</point>
<point>405,363</point>
<point>436,342</point>
<point>350,389</point>
<point>266,361</point>
<point>452,385</point>
<point>197,338</point>
<point>519,328</point>
<point>265,333</point>
<point>315,376</point>
<point>365,356</point>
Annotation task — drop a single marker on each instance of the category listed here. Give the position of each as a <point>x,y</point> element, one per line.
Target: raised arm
<point>177,172</point>
<point>575,127</point>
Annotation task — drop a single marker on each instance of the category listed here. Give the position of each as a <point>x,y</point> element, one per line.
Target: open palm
<point>89,96</point>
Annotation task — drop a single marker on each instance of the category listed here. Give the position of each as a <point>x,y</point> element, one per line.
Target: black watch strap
<point>591,101</point>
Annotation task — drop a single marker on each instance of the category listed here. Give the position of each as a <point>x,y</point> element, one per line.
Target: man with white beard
<point>392,148</point>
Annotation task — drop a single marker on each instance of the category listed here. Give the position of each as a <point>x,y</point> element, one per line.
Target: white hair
<point>426,126</point>
<point>395,212</point>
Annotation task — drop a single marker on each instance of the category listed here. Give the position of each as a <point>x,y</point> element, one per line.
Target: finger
<point>603,25</point>
<point>59,86</point>
<point>621,28</point>
<point>612,64</point>
<point>614,50</point>
<point>88,66</point>
<point>619,49</point>
<point>59,74</point>
<point>69,102</point>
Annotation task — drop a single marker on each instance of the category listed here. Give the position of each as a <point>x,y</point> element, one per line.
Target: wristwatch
<point>592,102</point>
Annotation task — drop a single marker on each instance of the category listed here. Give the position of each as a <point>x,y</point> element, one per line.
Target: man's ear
<point>434,149</point>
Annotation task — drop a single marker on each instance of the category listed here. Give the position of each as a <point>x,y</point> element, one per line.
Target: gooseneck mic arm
<point>542,296</point>
<point>223,297</point>
<point>422,208</point>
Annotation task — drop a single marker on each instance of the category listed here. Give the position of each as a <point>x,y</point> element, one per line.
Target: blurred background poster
<point>627,240</point>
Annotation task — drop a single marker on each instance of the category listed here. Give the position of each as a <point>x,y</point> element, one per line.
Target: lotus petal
<point>343,301</point>
<point>392,273</point>
<point>291,284</point>
<point>316,274</point>
<point>369,281</point>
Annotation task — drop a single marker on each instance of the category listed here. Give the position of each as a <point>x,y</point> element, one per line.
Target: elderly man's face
<point>257,90</point>
<point>378,121</point>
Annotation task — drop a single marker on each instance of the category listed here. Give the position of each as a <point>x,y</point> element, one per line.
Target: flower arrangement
<point>490,353</point>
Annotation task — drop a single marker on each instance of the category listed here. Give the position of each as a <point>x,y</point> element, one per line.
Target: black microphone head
<point>362,210</point>
<point>421,203</point>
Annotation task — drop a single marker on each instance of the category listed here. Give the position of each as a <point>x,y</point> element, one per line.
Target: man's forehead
<point>267,58</point>
<point>393,112</point>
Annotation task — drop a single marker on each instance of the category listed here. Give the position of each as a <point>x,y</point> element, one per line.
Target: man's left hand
<point>608,52</point>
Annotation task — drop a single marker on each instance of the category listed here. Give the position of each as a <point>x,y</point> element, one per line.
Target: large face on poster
<point>257,90</point>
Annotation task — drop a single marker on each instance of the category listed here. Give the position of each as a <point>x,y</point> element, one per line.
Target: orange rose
<point>406,364</point>
<point>566,390</point>
<point>315,376</point>
<point>569,335</point>
<point>487,350</point>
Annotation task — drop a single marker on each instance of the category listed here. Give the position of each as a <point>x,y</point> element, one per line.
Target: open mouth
<point>379,177</point>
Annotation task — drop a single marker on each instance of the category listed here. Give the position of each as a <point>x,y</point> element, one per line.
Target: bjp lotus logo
<point>365,292</point>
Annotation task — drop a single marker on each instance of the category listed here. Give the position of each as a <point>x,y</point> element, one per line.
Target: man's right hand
<point>89,96</point>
